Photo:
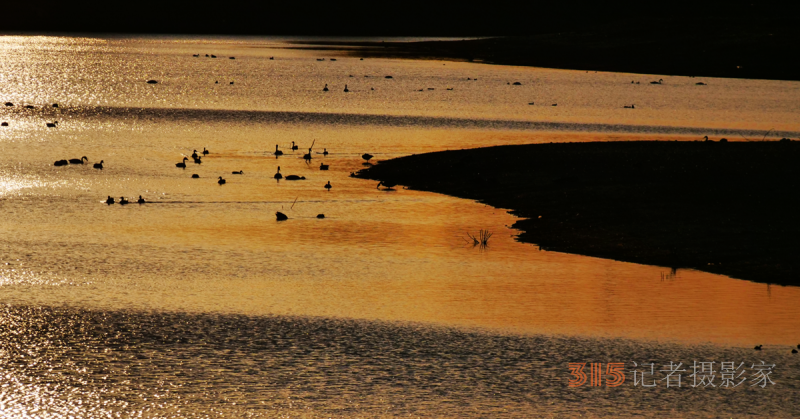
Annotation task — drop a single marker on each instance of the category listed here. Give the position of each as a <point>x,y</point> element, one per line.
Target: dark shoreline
<point>731,48</point>
<point>726,208</point>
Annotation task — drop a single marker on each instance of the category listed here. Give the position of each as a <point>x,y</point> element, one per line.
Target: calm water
<point>199,303</point>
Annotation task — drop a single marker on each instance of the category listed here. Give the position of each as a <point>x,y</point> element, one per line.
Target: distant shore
<point>726,208</point>
<point>744,48</point>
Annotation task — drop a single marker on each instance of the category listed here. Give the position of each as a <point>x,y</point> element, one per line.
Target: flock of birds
<point>197,157</point>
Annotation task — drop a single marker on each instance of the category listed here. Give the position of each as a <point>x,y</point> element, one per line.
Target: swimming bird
<point>324,151</point>
<point>307,156</point>
<point>295,177</point>
<point>278,175</point>
<point>657,82</point>
<point>152,82</point>
<point>328,186</point>
<point>197,160</point>
<point>205,152</point>
<point>629,107</point>
<point>277,152</point>
<point>281,216</point>
<point>367,156</point>
<point>9,104</point>
<point>320,216</point>
<point>221,181</point>
<point>98,165</point>
<point>182,164</point>
<point>325,89</point>
<point>345,88</point>
<point>122,200</point>
<point>4,124</point>
<point>141,200</point>
<point>241,172</point>
<point>387,184</point>
<point>60,163</point>
<point>78,161</point>
<point>194,154</point>
<point>52,124</point>
<point>323,166</point>
<point>294,146</point>
<point>758,347</point>
<point>794,351</point>
<point>195,176</point>
<point>110,200</point>
<point>700,84</point>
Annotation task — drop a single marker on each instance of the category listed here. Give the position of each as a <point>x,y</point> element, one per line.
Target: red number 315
<point>614,376</point>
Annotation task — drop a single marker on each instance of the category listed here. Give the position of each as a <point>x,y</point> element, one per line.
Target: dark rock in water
<point>723,140</point>
<point>388,77</point>
<point>232,58</point>
<point>281,216</point>
<point>195,176</point>
<point>152,82</point>
<point>320,215</point>
<point>516,83</point>
<point>783,140</point>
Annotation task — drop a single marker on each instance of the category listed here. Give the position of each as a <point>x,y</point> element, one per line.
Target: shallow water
<point>86,284</point>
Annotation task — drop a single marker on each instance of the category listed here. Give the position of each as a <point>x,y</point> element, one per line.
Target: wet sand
<point>727,208</point>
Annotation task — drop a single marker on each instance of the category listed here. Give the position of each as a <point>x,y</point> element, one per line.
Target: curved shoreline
<point>724,208</point>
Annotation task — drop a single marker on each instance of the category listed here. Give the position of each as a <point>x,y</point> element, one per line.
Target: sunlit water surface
<point>201,303</point>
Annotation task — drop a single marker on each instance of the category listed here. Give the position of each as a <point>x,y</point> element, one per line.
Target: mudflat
<point>723,207</point>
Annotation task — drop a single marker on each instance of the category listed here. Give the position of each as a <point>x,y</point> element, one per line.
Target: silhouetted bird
<point>238,173</point>
<point>221,181</point>
<point>141,200</point>
<point>278,175</point>
<point>307,156</point>
<point>205,151</point>
<point>295,177</point>
<point>78,161</point>
<point>61,163</point>
<point>294,146</point>
<point>328,186</point>
<point>345,88</point>
<point>629,107</point>
<point>325,152</point>
<point>320,215</point>
<point>182,164</point>
<point>657,82</point>
<point>387,184</point>
<point>197,160</point>
<point>367,156</point>
<point>52,124</point>
<point>98,165</point>
<point>4,124</point>
<point>110,200</point>
<point>700,83</point>
<point>758,347</point>
<point>152,82</point>
<point>122,200</point>
<point>277,152</point>
<point>794,351</point>
<point>281,216</point>
<point>195,176</point>
<point>323,166</point>
<point>9,104</point>
<point>325,89</point>
<point>194,154</point>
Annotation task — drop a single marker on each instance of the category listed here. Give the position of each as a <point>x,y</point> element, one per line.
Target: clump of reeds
<point>481,239</point>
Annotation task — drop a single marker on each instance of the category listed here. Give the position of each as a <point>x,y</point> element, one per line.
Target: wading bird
<point>367,156</point>
<point>387,184</point>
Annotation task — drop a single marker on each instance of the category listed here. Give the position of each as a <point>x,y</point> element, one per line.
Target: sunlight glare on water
<point>172,308</point>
